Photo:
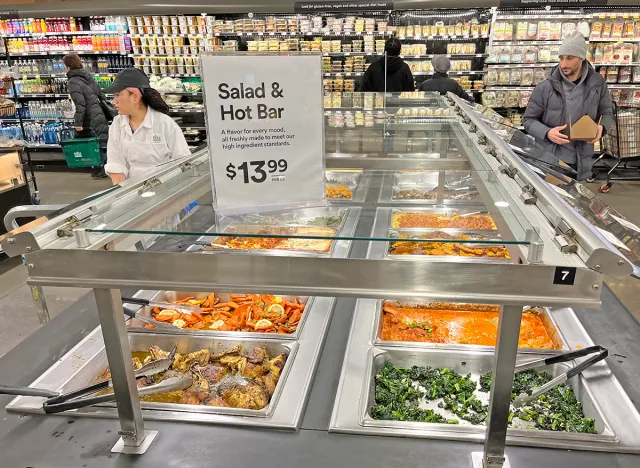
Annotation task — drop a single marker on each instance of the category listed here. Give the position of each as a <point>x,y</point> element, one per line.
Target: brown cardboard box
<point>584,129</point>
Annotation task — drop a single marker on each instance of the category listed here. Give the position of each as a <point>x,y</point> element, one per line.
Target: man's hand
<point>79,129</point>
<point>558,138</point>
<point>598,135</point>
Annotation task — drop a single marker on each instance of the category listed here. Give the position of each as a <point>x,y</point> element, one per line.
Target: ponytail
<point>151,98</point>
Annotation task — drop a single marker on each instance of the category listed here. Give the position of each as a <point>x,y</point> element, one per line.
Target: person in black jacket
<point>390,73</point>
<point>90,118</point>
<point>441,82</point>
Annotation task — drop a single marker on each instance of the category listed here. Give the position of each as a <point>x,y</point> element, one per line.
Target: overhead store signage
<point>358,5</point>
<point>552,3</point>
<point>9,14</point>
<point>265,131</point>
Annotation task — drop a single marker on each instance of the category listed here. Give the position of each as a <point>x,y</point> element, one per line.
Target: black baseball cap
<point>128,78</point>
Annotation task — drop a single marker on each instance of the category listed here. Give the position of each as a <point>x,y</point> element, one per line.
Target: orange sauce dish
<point>442,220</point>
<point>458,324</point>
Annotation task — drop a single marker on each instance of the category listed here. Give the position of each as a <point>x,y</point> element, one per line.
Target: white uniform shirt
<point>157,140</point>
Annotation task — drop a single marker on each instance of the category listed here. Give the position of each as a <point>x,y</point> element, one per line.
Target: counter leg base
<point>149,436</point>
<point>476,460</point>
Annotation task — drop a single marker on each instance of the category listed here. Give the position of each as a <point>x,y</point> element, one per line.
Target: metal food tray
<point>173,296</point>
<point>474,234</point>
<point>350,178</point>
<point>560,344</point>
<point>439,210</point>
<point>86,360</point>
<point>246,229</point>
<point>339,248</point>
<point>425,181</point>
<point>476,363</point>
<point>291,218</point>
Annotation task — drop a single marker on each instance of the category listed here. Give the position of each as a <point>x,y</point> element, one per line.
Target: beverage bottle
<point>43,26</point>
<point>75,45</point>
<point>72,24</point>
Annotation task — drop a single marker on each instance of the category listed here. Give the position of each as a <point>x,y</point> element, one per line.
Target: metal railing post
<point>134,439</point>
<point>501,385</point>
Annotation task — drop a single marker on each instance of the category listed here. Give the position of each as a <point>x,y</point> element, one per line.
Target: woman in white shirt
<point>143,135</point>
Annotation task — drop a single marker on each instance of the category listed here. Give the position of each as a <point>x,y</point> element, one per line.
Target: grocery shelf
<point>624,85</point>
<point>525,43</point>
<point>540,16</point>
<point>301,34</point>
<point>2,119</point>
<point>43,95</point>
<point>521,65</point>
<point>43,146</point>
<point>191,127</point>
<point>59,119</point>
<point>510,88</point>
<point>187,111</point>
<point>471,72</point>
<point>443,38</point>
<point>620,40</point>
<point>418,56</point>
<point>343,74</point>
<point>175,75</point>
<point>35,76</point>
<point>64,52</point>
<point>346,54</point>
<point>66,33</point>
<point>182,93</point>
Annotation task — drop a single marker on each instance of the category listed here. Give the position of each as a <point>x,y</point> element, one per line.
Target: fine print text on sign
<point>265,131</point>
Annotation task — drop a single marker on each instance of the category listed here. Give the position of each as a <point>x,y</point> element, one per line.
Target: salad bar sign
<point>265,130</point>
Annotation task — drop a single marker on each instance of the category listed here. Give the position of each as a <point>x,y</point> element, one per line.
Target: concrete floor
<point>16,306</point>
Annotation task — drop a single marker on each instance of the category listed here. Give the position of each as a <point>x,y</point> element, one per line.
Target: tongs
<point>137,315</point>
<point>184,308</point>
<point>524,398</point>
<point>58,402</point>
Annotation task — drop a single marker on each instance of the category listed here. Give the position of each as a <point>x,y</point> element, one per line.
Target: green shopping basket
<point>80,152</point>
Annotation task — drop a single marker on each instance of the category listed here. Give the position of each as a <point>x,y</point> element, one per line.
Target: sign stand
<point>265,126</point>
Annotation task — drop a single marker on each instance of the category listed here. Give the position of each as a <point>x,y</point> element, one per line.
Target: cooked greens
<point>556,410</point>
<point>400,391</point>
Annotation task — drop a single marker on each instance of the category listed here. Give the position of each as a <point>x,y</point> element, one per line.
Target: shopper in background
<point>143,135</point>
<point>90,118</point>
<point>243,46</point>
<point>574,89</point>
<point>390,73</point>
<point>440,80</point>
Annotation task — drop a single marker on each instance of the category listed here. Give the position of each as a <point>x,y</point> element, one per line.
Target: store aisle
<point>17,311</point>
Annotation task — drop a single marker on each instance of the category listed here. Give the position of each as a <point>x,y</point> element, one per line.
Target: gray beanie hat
<point>441,63</point>
<point>574,45</point>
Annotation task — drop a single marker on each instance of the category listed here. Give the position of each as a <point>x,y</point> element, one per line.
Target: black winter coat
<point>398,75</point>
<point>443,84</point>
<point>86,95</point>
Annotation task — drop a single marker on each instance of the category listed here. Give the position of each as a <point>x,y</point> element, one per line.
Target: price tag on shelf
<point>265,131</point>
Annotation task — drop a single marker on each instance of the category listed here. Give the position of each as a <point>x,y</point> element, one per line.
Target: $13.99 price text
<point>256,171</point>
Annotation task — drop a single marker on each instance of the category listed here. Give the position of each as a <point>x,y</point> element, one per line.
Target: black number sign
<point>565,275</point>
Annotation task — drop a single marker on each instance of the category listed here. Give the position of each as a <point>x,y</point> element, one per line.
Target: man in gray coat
<point>574,89</point>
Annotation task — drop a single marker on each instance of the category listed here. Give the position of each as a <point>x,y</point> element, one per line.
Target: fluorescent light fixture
<point>147,194</point>
<point>501,204</point>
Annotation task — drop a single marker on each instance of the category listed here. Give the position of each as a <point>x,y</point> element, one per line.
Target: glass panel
<point>416,181</point>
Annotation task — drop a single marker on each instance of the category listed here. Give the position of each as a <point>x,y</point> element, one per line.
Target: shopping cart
<point>622,142</point>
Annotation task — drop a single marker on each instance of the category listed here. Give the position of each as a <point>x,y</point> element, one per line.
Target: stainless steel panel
<point>474,234</point>
<point>173,296</point>
<point>475,363</point>
<point>544,313</point>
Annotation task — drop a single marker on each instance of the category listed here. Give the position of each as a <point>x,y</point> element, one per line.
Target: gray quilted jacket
<point>546,109</point>
<point>86,95</point>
